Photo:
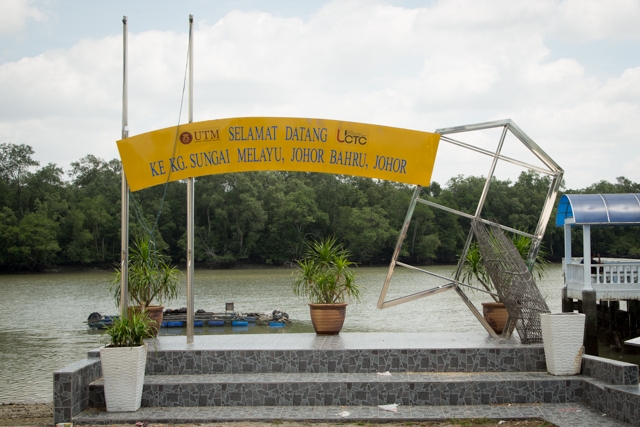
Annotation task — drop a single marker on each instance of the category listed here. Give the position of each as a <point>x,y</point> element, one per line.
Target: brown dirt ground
<point>41,415</point>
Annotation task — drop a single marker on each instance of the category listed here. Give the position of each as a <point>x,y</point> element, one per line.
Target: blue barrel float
<point>239,323</point>
<point>216,322</point>
<point>274,324</point>
<point>173,324</point>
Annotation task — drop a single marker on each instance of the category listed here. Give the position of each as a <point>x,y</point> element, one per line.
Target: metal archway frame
<point>551,169</point>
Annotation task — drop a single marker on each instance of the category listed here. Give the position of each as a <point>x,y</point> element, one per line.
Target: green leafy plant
<point>129,331</point>
<point>324,276</point>
<point>474,269</point>
<point>151,276</point>
<point>523,244</point>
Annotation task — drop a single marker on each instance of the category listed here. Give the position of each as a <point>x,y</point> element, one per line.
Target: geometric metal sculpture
<point>513,281</point>
<point>549,168</point>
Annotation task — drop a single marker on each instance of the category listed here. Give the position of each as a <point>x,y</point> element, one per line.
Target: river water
<point>42,316</point>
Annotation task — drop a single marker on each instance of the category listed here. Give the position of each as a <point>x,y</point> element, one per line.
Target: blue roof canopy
<point>599,209</point>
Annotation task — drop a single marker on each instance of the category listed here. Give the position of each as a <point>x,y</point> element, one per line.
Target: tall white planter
<point>123,374</point>
<point>562,336</point>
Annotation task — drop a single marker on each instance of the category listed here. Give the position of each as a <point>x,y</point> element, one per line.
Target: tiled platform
<point>309,377</point>
<point>354,352</point>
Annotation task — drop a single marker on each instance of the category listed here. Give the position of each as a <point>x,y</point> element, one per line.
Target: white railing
<point>612,279</point>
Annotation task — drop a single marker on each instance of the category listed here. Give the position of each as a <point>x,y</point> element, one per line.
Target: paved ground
<point>544,415</point>
<point>563,415</point>
<point>41,415</point>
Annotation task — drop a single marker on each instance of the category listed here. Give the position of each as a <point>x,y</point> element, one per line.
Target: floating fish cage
<point>178,319</point>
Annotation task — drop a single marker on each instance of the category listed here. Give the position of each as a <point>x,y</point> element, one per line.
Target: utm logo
<point>186,138</point>
<point>350,137</point>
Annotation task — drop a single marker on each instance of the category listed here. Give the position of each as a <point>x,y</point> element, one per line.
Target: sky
<point>566,72</point>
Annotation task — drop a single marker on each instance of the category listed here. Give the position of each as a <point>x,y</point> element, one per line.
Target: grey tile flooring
<point>354,389</point>
<point>560,414</point>
<point>350,341</point>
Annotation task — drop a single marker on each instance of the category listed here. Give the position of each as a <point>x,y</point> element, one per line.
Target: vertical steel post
<point>124,189</point>
<point>190,205</point>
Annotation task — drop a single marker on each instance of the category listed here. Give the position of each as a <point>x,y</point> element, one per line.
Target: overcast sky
<point>567,72</point>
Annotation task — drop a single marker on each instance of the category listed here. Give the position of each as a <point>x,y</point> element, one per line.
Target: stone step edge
<point>532,348</point>
<point>356,361</point>
<point>401,377</point>
<point>561,414</point>
<point>311,393</point>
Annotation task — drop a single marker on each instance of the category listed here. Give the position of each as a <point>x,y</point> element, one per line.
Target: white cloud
<point>14,15</point>
<point>583,20</point>
<point>452,63</point>
<point>62,82</point>
<point>626,88</point>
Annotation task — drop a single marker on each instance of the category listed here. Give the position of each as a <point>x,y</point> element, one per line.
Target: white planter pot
<point>123,373</point>
<point>562,336</point>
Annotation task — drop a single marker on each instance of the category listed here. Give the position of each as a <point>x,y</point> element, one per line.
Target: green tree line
<point>51,218</point>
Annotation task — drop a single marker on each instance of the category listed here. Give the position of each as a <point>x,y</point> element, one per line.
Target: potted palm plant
<point>325,277</point>
<point>123,361</point>
<point>494,311</point>
<point>151,278</point>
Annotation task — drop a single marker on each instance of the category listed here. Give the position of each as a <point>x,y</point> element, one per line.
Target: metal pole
<point>190,68</point>
<point>492,169</point>
<point>544,218</point>
<point>483,198</point>
<point>190,205</point>
<point>124,190</point>
<point>396,252</point>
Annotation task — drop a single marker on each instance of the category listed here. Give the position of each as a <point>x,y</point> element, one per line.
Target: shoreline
<point>108,268</point>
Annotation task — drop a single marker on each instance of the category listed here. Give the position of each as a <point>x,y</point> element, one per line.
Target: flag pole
<point>124,189</point>
<point>190,205</point>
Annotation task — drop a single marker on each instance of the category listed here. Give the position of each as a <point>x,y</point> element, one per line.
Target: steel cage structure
<point>550,168</point>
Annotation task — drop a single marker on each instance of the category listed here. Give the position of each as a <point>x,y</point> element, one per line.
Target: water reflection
<point>43,315</point>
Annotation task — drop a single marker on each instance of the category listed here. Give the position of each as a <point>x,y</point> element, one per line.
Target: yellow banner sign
<point>278,144</point>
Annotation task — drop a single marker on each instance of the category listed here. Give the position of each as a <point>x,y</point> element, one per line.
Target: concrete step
<point>360,389</point>
<point>205,362</point>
